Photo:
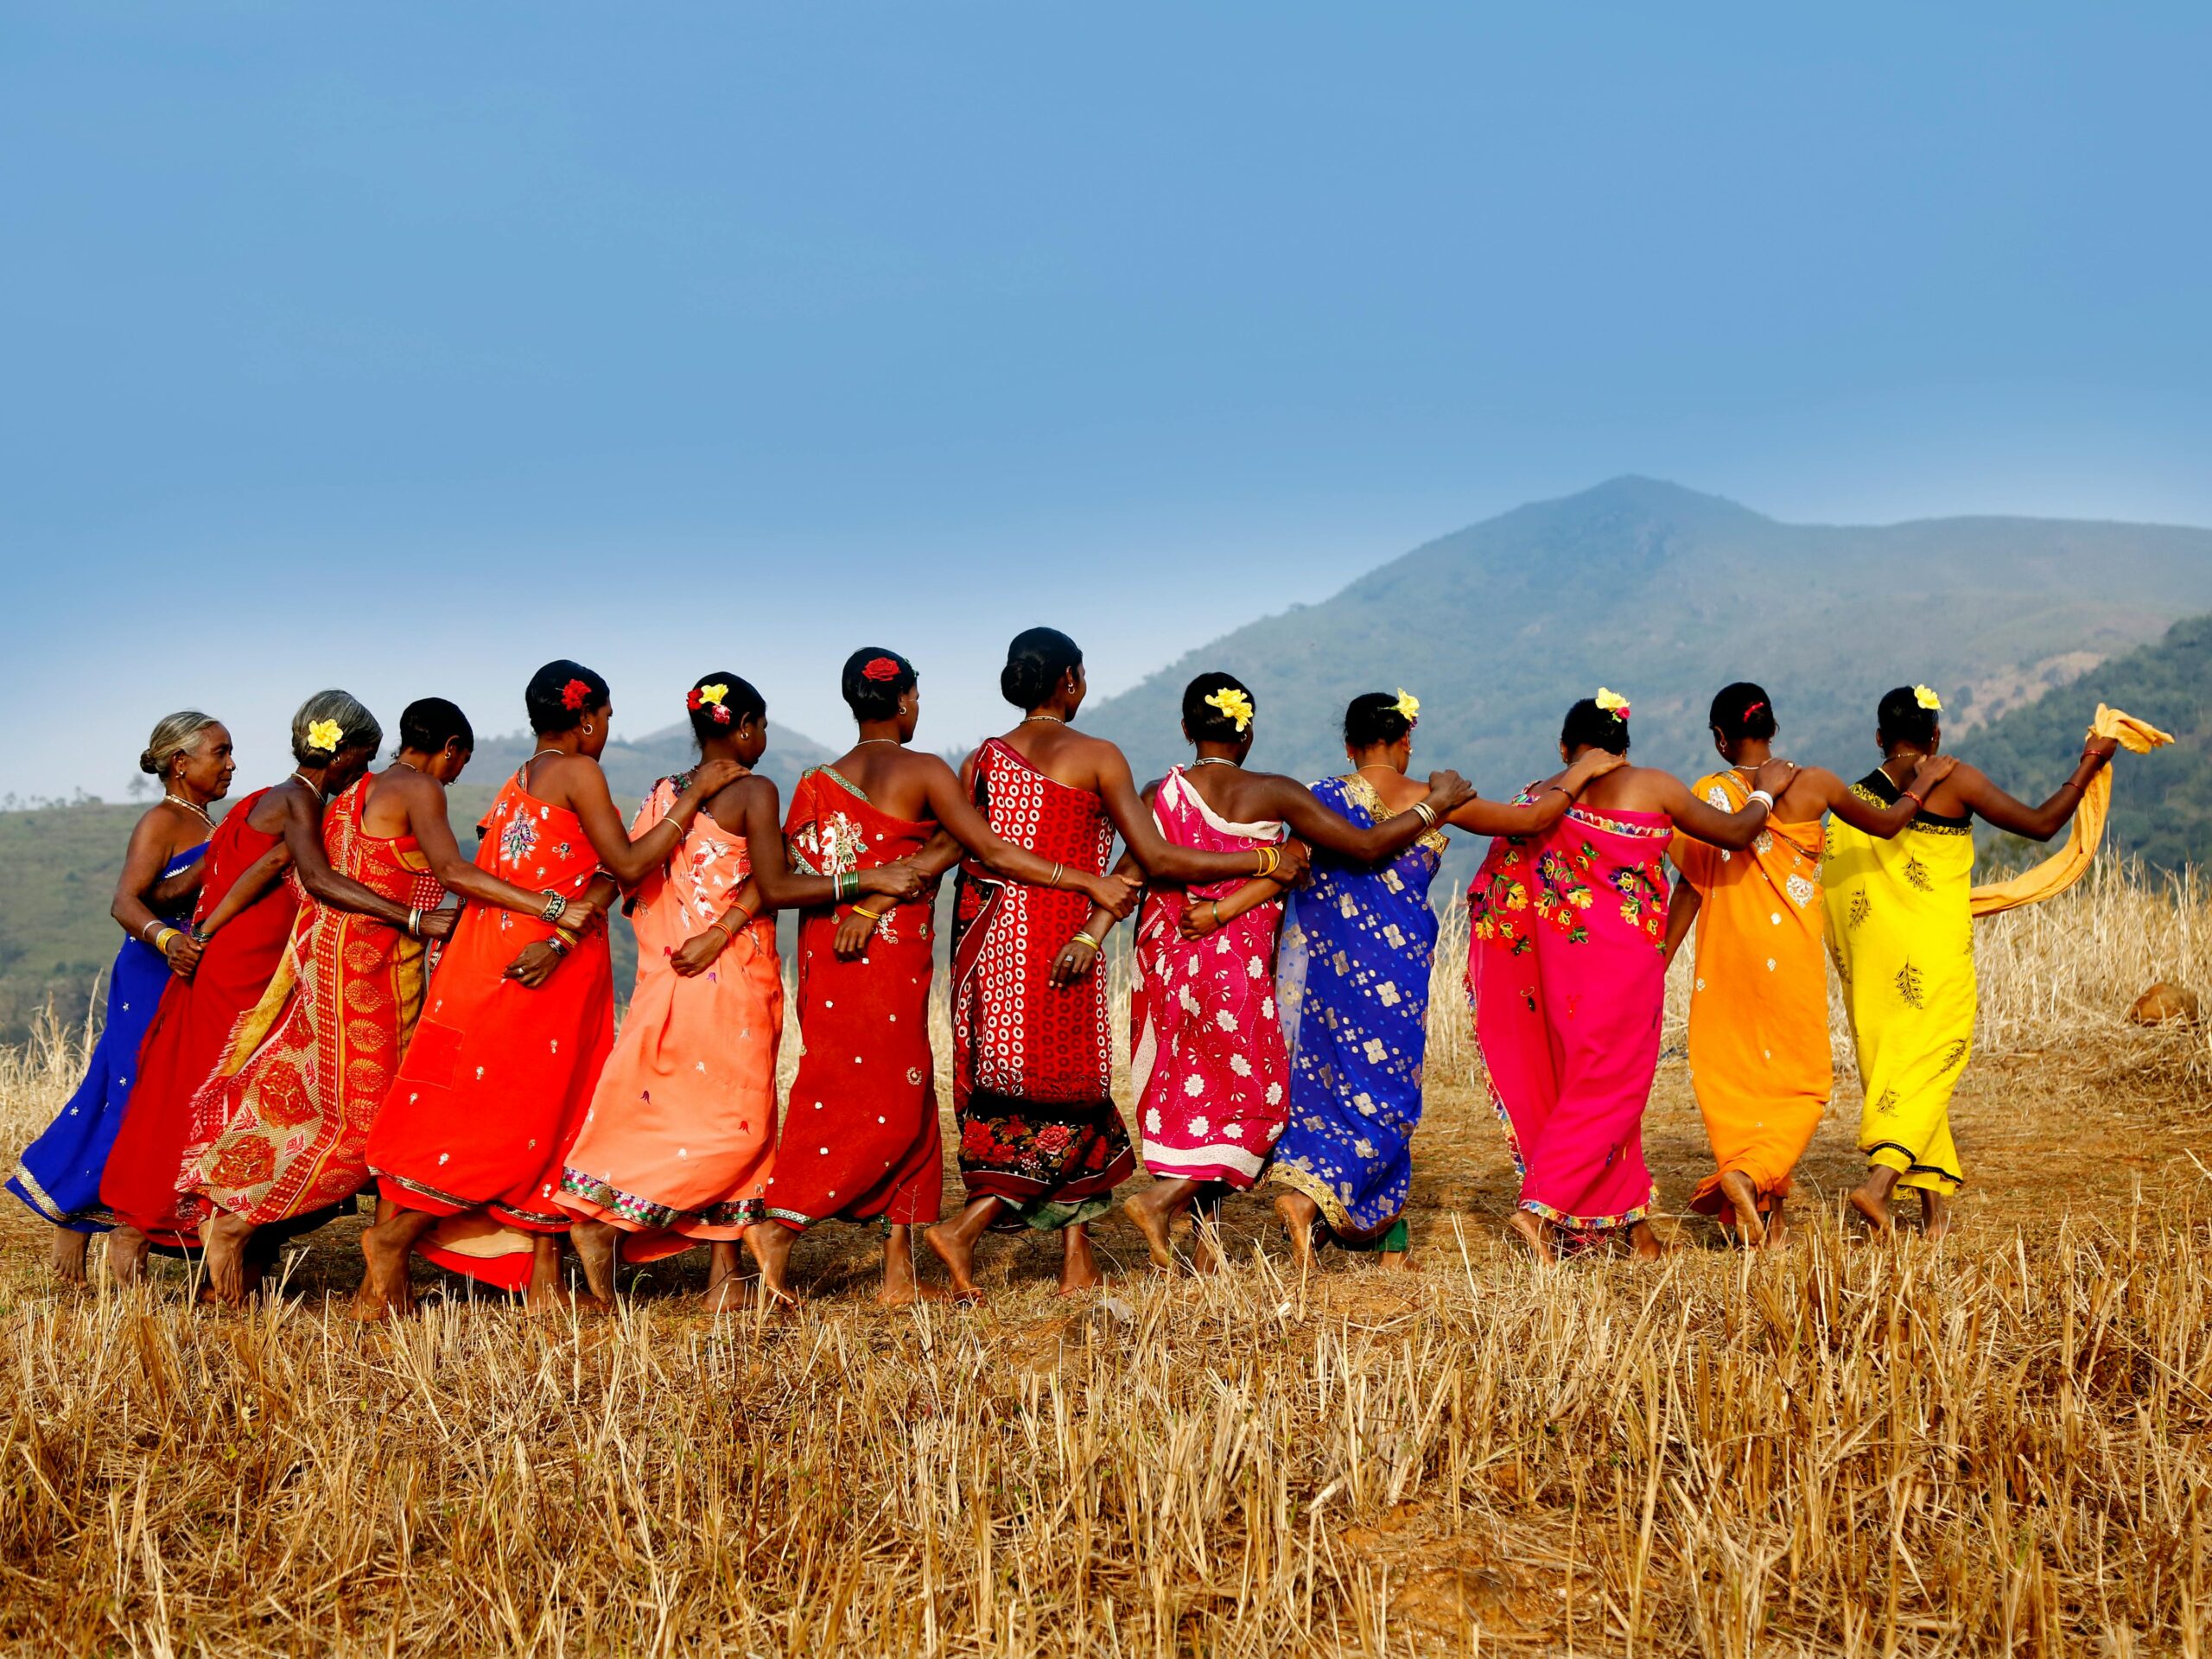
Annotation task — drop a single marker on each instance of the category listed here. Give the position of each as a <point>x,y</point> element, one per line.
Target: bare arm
<point>1078,957</point>
<point>149,849</point>
<point>1682,911</point>
<point>1993,807</point>
<point>1501,818</point>
<point>303,841</point>
<point>1206,915</point>
<point>425,801</point>
<point>1884,822</point>
<point>957,814</point>
<point>257,878</point>
<point>1302,810</point>
<point>1155,854</point>
<point>173,893</point>
<point>753,808</point>
<point>1708,824</point>
<point>630,861</point>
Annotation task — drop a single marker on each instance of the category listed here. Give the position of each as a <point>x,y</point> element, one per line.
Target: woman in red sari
<point>469,1145</point>
<point>1567,966</point>
<point>1041,1141</point>
<point>242,921</point>
<point>860,1138</point>
<point>291,1103</point>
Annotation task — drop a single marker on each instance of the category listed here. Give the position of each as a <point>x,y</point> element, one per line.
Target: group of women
<point>322,994</point>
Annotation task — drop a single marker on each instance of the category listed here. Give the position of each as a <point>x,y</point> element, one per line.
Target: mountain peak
<point>1651,497</point>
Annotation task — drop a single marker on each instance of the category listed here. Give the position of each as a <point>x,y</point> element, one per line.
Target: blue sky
<point>407,345</point>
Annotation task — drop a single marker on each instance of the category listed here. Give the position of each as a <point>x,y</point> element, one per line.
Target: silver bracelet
<point>1762,798</point>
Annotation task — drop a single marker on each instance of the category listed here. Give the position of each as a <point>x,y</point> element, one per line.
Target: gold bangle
<point>1085,938</point>
<point>162,940</point>
<point>1053,881</point>
<point>734,910</point>
<point>1426,813</point>
<point>1270,861</point>
<point>873,915</point>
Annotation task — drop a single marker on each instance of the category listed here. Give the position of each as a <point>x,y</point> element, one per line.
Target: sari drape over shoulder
<point>1759,1041</point>
<point>493,1088</point>
<point>1033,1062</point>
<point>59,1175</point>
<point>859,1140</point>
<point>1358,944</point>
<point>190,1035</point>
<point>1567,970</point>
<point>1903,934</point>
<point>308,1067</point>
<point>677,1144</point>
<point>1208,1059</point>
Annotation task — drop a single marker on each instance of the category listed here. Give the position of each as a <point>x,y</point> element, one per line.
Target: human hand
<point>534,966</point>
<point>2100,749</point>
<point>1112,891</point>
<point>1594,765</point>
<point>1295,857</point>
<point>438,924</point>
<point>700,953</point>
<point>1774,775</point>
<point>1191,926</point>
<point>897,880</point>
<point>1932,770</point>
<point>183,954</point>
<point>713,777</point>
<point>1448,792</point>
<point>855,928</point>
<point>1076,958</point>
<point>582,912</point>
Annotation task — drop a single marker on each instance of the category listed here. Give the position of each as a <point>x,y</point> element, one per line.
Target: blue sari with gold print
<point>1352,980</point>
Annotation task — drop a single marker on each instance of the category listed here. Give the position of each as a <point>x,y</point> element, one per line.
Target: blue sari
<point>1352,980</point>
<point>60,1174</point>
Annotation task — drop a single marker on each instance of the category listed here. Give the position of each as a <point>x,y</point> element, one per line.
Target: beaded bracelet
<point>555,907</point>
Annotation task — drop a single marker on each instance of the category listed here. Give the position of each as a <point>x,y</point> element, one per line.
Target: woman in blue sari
<point>1351,980</point>
<point>60,1174</point>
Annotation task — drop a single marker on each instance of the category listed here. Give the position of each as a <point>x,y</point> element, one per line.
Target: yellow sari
<point>1902,934</point>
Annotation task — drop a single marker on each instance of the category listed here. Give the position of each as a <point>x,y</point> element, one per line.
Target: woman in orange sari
<point>859,1140</point>
<point>677,1146</point>
<point>243,922</point>
<point>289,1105</point>
<point>475,1128</point>
<point>1758,1043</point>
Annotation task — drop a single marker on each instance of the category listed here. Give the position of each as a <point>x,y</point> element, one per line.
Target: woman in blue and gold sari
<point>1351,980</point>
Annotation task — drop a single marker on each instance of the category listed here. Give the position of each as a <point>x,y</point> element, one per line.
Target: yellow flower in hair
<point>1926,697</point>
<point>1407,705</point>
<point>1612,702</point>
<point>1234,704</point>
<point>713,693</point>
<point>325,735</point>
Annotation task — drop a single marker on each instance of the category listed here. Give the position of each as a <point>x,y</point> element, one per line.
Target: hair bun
<point>148,764</point>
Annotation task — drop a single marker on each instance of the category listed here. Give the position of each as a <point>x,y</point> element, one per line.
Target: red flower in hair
<point>881,668</point>
<point>573,694</point>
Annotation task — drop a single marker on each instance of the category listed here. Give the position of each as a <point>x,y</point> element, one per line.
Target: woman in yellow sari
<point>1759,1041</point>
<point>1901,928</point>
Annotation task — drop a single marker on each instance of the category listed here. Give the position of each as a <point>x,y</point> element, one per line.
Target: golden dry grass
<point>1994,1447</point>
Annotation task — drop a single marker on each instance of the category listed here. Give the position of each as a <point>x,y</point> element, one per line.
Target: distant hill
<point>1666,595</point>
<point>634,764</point>
<point>2162,802</point>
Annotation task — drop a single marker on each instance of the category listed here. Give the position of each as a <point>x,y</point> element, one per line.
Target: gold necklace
<point>1031,720</point>
<point>197,811</point>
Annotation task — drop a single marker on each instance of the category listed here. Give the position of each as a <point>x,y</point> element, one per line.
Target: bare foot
<point>771,1244</point>
<point>1934,1214</point>
<point>598,1243</point>
<point>1535,1234</point>
<point>68,1255</point>
<point>901,1287</point>
<point>1743,1199</point>
<point>1299,1214</point>
<point>384,1293</point>
<point>958,1255</point>
<point>224,1236</point>
<point>547,1294</point>
<point>1399,1261</point>
<point>726,1290</point>
<point>126,1254</point>
<point>1873,1203</point>
<point>1205,1245</point>
<point>1778,1227</point>
<point>1078,1265</point>
<point>1643,1243</point>
<point>1152,1219</point>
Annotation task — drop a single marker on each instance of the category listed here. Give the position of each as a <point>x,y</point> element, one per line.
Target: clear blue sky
<point>406,346</point>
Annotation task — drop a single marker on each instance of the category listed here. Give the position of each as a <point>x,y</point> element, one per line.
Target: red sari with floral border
<point>497,1081</point>
<point>1033,1061</point>
<point>308,1066</point>
<point>190,1036</point>
<point>859,1141</point>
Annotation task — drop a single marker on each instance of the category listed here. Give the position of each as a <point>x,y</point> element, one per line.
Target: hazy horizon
<point>406,350</point>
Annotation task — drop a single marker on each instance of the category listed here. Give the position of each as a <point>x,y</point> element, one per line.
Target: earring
<point>587,729</point>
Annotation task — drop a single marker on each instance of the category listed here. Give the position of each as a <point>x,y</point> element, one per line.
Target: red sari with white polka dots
<point>859,1140</point>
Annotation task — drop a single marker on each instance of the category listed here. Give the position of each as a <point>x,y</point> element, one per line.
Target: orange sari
<point>479,1121</point>
<point>1758,1046</point>
<point>676,1147</point>
<point>308,1067</point>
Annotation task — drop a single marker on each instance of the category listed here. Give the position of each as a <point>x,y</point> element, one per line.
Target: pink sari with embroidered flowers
<point>1207,1056</point>
<point>1567,971</point>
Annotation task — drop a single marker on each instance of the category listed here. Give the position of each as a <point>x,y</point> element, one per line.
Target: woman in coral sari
<point>1903,933</point>
<point>1041,1142</point>
<point>1207,1056</point>
<point>1568,968</point>
<point>1758,1041</point>
<point>59,1175</point>
<point>475,1127</point>
<point>291,1103</point>
<point>859,1140</point>
<point>244,919</point>
<point>679,1141</point>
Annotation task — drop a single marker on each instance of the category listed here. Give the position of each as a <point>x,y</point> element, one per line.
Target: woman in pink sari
<point>1568,971</point>
<point>1207,1050</point>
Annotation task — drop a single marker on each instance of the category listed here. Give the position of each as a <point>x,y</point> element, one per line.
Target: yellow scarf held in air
<point>2071,862</point>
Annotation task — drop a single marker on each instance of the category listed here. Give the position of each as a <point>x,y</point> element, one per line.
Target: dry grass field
<point>1996,1445</point>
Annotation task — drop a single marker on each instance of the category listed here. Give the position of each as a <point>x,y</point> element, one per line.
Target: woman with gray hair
<point>60,1174</point>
